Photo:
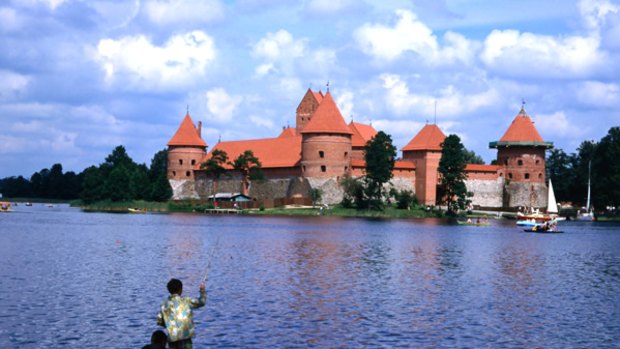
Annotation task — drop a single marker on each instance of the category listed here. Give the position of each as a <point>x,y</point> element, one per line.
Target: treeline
<point>599,161</point>
<point>119,178</point>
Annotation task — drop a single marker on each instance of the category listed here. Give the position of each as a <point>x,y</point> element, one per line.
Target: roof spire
<point>187,109</point>
<point>435,112</point>
<point>327,85</point>
<point>522,111</point>
<point>219,138</point>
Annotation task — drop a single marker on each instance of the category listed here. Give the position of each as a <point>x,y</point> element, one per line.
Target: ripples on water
<point>90,280</point>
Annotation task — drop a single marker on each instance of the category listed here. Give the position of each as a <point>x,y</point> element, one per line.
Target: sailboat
<point>534,219</point>
<point>589,214</point>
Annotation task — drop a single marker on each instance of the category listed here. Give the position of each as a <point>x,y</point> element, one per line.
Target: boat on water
<point>5,206</point>
<point>475,224</point>
<point>535,216</point>
<point>548,227</point>
<point>136,210</point>
<point>588,215</point>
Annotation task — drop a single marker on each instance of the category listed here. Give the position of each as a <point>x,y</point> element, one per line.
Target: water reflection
<point>304,283</point>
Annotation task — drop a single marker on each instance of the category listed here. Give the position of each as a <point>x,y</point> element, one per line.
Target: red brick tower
<point>326,142</point>
<point>306,108</point>
<point>424,150</point>
<point>521,155</point>
<point>521,151</point>
<point>185,149</point>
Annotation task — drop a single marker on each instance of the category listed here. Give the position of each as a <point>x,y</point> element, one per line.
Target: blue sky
<point>78,78</point>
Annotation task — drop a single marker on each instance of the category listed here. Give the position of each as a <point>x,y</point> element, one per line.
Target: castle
<point>322,148</point>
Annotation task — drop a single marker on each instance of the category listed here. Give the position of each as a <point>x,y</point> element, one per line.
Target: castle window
<point>180,161</point>
<point>527,176</point>
<point>501,174</point>
<point>186,173</point>
<point>520,162</point>
<point>510,175</point>
<point>346,153</point>
<point>323,168</point>
<point>506,162</point>
<point>174,173</point>
<point>321,154</point>
<point>539,175</point>
<point>346,168</point>
<point>537,162</point>
<point>193,162</point>
<point>303,168</point>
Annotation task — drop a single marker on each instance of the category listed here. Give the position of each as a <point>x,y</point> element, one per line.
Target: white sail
<point>588,204</point>
<point>552,205</point>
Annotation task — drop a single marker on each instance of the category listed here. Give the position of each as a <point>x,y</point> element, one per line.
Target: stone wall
<point>183,189</point>
<point>525,194</point>
<point>487,193</point>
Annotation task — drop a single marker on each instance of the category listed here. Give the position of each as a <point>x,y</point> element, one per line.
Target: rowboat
<point>5,206</point>
<point>136,210</point>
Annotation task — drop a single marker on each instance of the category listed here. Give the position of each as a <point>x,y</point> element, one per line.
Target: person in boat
<point>158,340</point>
<point>177,316</point>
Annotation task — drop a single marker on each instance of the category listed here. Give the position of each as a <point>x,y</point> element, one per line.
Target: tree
<point>139,183</point>
<point>452,174</point>
<point>606,170</point>
<point>315,195</point>
<point>160,189</point>
<point>92,185</point>
<point>117,186</point>
<point>159,165</point>
<point>380,156</point>
<point>354,193</point>
<point>472,158</point>
<point>245,163</point>
<point>560,169</point>
<point>214,166</point>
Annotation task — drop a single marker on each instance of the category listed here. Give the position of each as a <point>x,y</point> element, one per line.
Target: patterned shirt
<point>176,315</point>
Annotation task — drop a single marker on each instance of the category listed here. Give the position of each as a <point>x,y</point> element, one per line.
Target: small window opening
<point>321,154</point>
<point>520,162</point>
<point>186,173</point>
<point>527,176</point>
<point>510,175</point>
<point>323,168</point>
<point>180,161</point>
<point>174,173</point>
<point>193,162</point>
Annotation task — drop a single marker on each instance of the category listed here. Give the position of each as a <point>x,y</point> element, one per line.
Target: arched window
<point>174,173</point>
<point>510,175</point>
<point>186,173</point>
<point>193,162</point>
<point>527,176</point>
<point>346,153</point>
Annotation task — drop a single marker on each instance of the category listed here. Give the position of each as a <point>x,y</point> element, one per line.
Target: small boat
<point>29,204</point>
<point>528,223</point>
<point>5,206</point>
<point>549,227</point>
<point>543,231</point>
<point>525,219</point>
<point>476,223</point>
<point>136,210</point>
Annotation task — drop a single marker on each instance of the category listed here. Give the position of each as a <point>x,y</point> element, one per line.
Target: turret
<point>185,149</point>
<point>326,142</point>
<point>424,150</point>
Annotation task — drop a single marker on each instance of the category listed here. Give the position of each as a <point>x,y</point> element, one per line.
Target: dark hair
<point>175,286</point>
<point>159,337</point>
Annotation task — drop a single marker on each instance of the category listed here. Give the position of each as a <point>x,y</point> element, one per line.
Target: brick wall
<point>182,160</point>
<point>325,155</point>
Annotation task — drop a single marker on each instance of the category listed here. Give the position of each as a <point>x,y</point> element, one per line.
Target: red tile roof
<point>187,134</point>
<point>327,119</point>
<point>481,168</point>
<point>521,130</point>
<point>362,133</point>
<point>398,164</point>
<point>430,137</point>
<point>318,96</point>
<point>271,152</point>
<point>288,132</point>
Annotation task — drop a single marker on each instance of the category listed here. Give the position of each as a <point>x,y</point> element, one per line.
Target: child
<point>158,340</point>
<point>176,315</point>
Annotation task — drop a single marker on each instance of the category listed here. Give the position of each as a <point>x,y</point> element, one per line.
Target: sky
<point>78,78</point>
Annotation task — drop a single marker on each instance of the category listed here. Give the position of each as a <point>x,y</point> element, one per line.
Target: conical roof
<point>187,135</point>
<point>430,137</point>
<point>362,133</point>
<point>521,132</point>
<point>327,119</point>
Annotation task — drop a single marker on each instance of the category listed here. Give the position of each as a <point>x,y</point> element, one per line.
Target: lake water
<point>91,280</point>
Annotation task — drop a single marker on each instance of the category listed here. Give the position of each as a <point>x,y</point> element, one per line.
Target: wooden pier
<point>223,211</point>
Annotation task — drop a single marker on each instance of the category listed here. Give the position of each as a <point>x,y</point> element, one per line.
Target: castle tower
<point>361,135</point>
<point>521,153</point>
<point>424,150</point>
<point>306,108</point>
<point>185,150</point>
<point>326,142</point>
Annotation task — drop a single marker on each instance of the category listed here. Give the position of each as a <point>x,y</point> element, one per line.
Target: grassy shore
<point>337,211</point>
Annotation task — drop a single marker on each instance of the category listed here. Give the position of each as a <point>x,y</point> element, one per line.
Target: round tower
<point>185,150</point>
<point>521,155</point>
<point>326,142</point>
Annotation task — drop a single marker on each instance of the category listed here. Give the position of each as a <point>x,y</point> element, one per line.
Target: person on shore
<point>177,316</point>
<point>158,340</point>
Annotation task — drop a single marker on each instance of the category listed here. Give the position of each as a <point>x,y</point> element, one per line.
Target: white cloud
<point>525,54</point>
<point>168,12</point>
<point>12,84</point>
<point>450,101</point>
<point>594,12</point>
<point>599,94</point>
<point>557,124</point>
<point>222,106</point>
<point>263,122</point>
<point>134,60</point>
<point>411,35</point>
<point>344,101</point>
<point>278,50</point>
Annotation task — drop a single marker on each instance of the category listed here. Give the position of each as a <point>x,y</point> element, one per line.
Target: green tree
<point>354,193</point>
<point>606,170</point>
<point>214,166</point>
<point>12,187</point>
<point>92,185</point>
<point>158,174</point>
<point>159,165</point>
<point>560,169</point>
<point>139,183</point>
<point>117,186</point>
<point>452,174</point>
<point>472,158</point>
<point>161,190</point>
<point>55,182</point>
<point>380,156</point>
<point>245,163</point>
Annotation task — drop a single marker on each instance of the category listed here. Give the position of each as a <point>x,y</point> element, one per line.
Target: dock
<point>223,211</point>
